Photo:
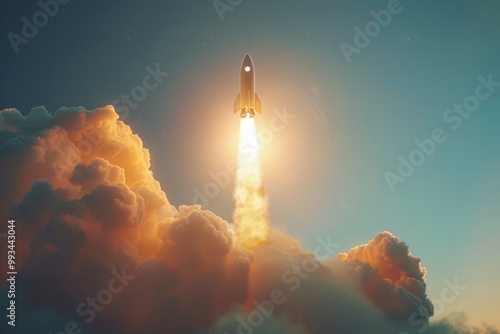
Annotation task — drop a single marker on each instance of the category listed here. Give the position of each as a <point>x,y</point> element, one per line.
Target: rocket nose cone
<point>247,60</point>
<point>247,64</point>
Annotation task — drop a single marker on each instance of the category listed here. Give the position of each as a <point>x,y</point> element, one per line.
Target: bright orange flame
<point>250,217</point>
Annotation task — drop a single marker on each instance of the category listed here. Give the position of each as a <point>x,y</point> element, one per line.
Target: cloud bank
<point>100,249</point>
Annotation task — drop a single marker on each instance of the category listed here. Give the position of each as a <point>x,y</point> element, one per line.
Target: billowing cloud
<point>390,276</point>
<point>100,247</point>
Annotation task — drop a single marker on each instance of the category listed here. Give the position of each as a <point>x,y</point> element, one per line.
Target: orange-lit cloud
<point>90,214</point>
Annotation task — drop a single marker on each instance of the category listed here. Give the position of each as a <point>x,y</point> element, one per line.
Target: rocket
<point>247,101</point>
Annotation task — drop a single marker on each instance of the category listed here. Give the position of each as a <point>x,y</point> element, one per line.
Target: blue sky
<point>349,123</point>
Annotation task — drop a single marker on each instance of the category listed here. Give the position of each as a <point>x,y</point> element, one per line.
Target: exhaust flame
<point>250,217</point>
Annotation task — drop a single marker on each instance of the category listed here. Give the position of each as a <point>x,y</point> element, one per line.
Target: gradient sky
<point>324,170</point>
